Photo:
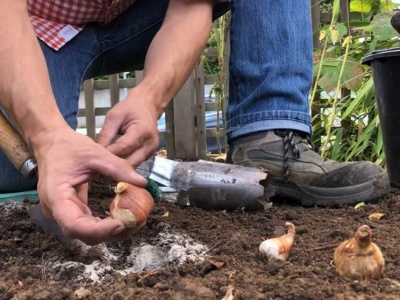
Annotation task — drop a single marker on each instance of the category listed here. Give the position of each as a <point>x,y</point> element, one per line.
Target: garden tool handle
<point>12,144</point>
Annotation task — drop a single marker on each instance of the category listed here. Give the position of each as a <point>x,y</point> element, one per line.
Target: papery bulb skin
<point>132,205</point>
<point>279,248</point>
<point>359,258</point>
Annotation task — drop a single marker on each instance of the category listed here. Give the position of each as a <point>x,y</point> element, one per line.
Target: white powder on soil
<point>166,249</point>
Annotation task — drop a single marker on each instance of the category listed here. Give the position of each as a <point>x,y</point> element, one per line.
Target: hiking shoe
<point>301,174</point>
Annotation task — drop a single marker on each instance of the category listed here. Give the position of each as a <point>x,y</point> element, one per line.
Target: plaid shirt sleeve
<point>56,22</point>
<point>55,35</point>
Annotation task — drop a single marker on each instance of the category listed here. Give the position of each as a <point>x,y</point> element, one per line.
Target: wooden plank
<point>210,106</point>
<point>210,132</point>
<point>127,83</point>
<point>98,111</point>
<point>123,83</point>
<point>200,112</point>
<point>209,79</point>
<point>213,132</point>
<point>114,89</point>
<point>184,121</point>
<point>345,13</point>
<point>227,50</point>
<point>211,52</point>
<point>138,76</point>
<point>162,136</point>
<point>316,22</point>
<point>169,130</point>
<point>89,108</point>
<point>101,84</point>
<point>344,18</point>
<point>325,18</point>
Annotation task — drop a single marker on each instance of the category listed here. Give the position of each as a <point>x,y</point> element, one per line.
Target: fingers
<point>139,156</point>
<point>136,152</point>
<point>117,168</point>
<point>75,223</point>
<point>109,130</point>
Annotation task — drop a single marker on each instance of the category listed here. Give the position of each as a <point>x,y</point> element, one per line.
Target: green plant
<point>218,69</point>
<point>347,123</point>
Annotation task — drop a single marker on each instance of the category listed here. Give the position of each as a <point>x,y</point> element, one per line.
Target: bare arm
<point>66,160</point>
<point>177,47</point>
<point>171,57</point>
<point>25,90</point>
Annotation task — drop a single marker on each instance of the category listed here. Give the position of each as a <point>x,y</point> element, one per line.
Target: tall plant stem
<point>335,102</point>
<point>335,14</point>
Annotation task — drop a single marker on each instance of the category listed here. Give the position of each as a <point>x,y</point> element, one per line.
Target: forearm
<point>25,90</point>
<point>176,48</point>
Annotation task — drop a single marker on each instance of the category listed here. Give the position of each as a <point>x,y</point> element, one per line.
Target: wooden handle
<point>12,144</point>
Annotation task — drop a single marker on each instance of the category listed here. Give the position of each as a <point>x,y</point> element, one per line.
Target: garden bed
<point>189,253</point>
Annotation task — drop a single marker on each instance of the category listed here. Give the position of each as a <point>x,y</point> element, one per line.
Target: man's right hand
<point>67,161</point>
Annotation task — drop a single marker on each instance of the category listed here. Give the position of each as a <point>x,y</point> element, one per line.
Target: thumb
<point>117,168</point>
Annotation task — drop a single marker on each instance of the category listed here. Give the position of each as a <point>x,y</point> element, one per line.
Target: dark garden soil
<point>189,253</point>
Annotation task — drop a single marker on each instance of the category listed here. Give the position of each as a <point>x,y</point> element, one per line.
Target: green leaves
<point>353,74</point>
<point>362,6</point>
<point>352,77</point>
<point>345,116</point>
<point>381,27</point>
<point>329,78</point>
<point>365,6</point>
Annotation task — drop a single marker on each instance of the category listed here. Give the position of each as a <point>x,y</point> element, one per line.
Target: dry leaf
<point>218,158</point>
<point>217,264</point>
<point>229,293</point>
<point>322,35</point>
<point>359,205</point>
<point>142,278</point>
<point>231,274</point>
<point>334,34</point>
<point>375,216</point>
<point>347,40</point>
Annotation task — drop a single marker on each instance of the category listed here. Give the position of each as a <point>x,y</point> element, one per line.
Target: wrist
<point>44,134</point>
<point>154,94</point>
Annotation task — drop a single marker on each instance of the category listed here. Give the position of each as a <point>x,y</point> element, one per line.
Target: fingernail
<point>118,230</point>
<point>136,177</point>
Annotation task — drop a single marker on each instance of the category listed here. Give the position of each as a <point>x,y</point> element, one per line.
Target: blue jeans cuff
<point>269,125</point>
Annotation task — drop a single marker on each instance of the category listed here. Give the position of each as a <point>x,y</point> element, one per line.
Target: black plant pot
<point>385,66</point>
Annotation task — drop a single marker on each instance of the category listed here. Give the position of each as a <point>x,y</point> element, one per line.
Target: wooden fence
<point>186,132</point>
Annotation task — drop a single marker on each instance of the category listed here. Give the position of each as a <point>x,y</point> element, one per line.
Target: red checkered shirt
<point>57,21</point>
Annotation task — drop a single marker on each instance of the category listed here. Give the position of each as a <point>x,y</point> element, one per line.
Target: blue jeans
<point>269,81</point>
<point>270,66</point>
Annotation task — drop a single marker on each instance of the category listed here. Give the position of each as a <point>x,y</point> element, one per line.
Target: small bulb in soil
<point>132,205</point>
<point>279,248</point>
<point>359,258</point>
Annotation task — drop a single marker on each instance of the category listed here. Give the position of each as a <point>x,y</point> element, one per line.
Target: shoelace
<point>289,144</point>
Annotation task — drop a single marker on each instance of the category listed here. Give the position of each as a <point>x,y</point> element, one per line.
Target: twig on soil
<point>214,246</point>
<point>394,282</point>
<point>375,225</point>
<point>323,247</point>
<point>142,278</point>
<point>229,293</point>
<point>44,277</point>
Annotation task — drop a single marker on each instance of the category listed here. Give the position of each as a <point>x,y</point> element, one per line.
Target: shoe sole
<point>367,192</point>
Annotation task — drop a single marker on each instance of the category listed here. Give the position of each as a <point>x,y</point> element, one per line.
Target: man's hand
<point>171,57</point>
<point>66,162</point>
<point>135,118</point>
